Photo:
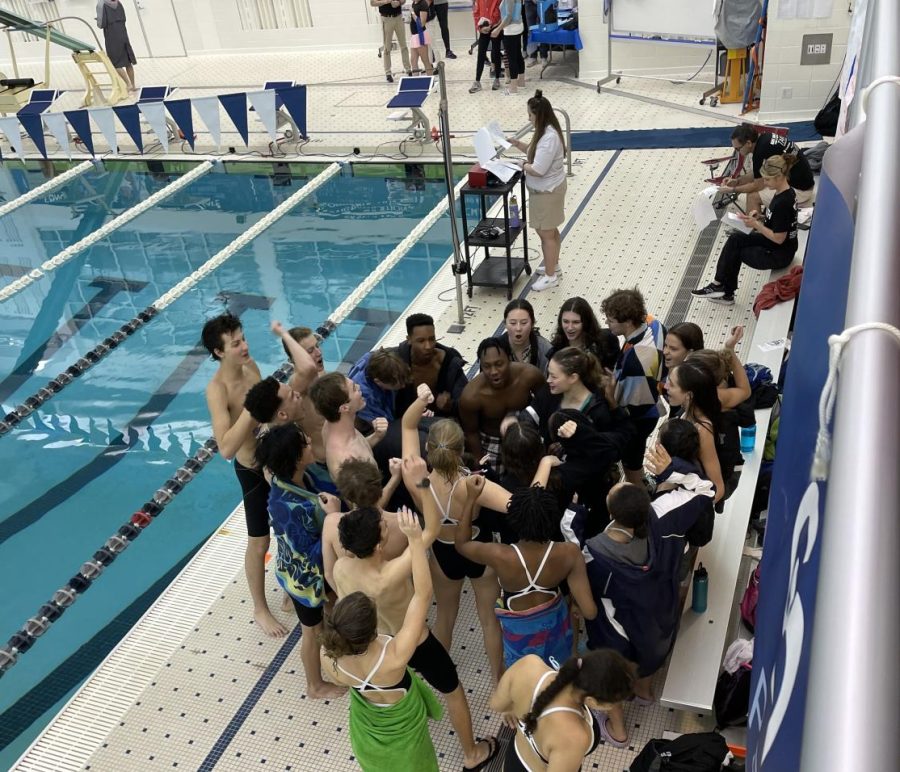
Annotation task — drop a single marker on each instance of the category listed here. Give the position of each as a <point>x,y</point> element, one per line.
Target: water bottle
<point>514,221</point>
<point>748,438</point>
<point>700,590</point>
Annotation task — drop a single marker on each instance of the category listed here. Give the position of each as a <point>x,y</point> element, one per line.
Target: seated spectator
<point>532,610</point>
<point>577,325</point>
<point>447,488</point>
<point>633,572</point>
<point>771,245</point>
<point>296,514</point>
<point>338,400</point>
<point>556,713</point>
<point>440,366</point>
<point>638,370</point>
<point>761,147</point>
<point>502,387</point>
<point>693,388</point>
<point>526,344</point>
<point>379,375</point>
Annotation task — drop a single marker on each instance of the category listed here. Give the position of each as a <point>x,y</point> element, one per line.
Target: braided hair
<point>604,674</point>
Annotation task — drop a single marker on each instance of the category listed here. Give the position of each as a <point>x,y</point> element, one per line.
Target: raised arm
<point>395,467</point>
<point>415,477</point>
<point>409,425</point>
<point>305,370</point>
<point>474,550</point>
<point>732,396</point>
<point>407,639</point>
<point>229,437</point>
<point>542,475</point>
<point>468,419</point>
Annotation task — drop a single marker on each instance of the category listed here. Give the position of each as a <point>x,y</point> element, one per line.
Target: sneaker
<point>409,72</point>
<point>545,282</point>
<point>541,270</point>
<point>476,87</point>
<point>450,54</point>
<point>389,78</point>
<point>532,62</point>
<point>495,86</point>
<point>709,292</point>
<point>508,92</point>
<point>726,300</point>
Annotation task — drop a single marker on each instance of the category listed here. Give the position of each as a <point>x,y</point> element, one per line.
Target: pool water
<point>92,455</point>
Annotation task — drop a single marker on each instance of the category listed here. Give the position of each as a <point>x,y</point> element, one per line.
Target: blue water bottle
<point>514,221</point>
<point>700,590</point>
<point>748,438</point>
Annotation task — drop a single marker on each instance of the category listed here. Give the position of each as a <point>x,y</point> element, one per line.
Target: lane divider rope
<point>57,384</point>
<point>50,185</point>
<point>23,639</point>
<point>103,231</point>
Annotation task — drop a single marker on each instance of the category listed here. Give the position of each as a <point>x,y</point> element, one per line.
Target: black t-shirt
<point>389,10</point>
<point>800,176</point>
<point>418,7</point>
<point>781,217</point>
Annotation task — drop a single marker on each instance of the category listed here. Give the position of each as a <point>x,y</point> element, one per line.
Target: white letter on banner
<point>155,113</point>
<point>264,104</point>
<point>106,122</point>
<point>12,128</point>
<point>208,110</point>
<point>57,126</point>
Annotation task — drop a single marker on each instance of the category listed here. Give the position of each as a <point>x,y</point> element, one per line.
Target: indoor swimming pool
<point>80,466</point>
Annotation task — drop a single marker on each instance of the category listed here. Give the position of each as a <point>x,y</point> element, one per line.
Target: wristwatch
<point>425,482</point>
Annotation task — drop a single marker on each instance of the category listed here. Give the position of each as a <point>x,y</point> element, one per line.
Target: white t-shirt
<point>549,160</point>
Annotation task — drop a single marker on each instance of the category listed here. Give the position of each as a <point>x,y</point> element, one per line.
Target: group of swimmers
<point>515,474</point>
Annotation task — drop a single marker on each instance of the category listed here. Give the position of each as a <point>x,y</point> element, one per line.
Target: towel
<point>395,737</point>
<point>545,630</point>
<point>783,288</point>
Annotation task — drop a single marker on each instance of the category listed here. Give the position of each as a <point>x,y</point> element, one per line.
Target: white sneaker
<point>540,270</point>
<point>545,282</point>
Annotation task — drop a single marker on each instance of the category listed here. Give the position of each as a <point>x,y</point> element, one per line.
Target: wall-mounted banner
<point>59,130</point>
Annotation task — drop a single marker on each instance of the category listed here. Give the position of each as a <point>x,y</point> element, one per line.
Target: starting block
<point>411,94</point>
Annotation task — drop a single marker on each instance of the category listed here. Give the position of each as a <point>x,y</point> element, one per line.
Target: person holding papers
<point>545,178</point>
<point>771,242</point>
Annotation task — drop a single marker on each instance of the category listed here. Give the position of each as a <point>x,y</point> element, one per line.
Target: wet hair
<point>590,327</point>
<point>680,438</point>
<point>360,531</point>
<point>603,674</point>
<point>703,387</point>
<point>746,132</point>
<point>298,334</point>
<point>542,110</point>
<point>777,165</point>
<point>280,449</point>
<point>359,482</point>
<point>629,504</point>
<point>328,394</point>
<point>418,320</point>
<point>626,305</point>
<point>690,335</point>
<point>717,362</point>
<point>388,368</point>
<point>521,451</point>
<point>501,344</point>
<point>533,513</point>
<point>444,448</point>
<point>520,304</point>
<point>215,328</point>
<point>574,361</point>
<point>262,400</point>
<point>351,626</point>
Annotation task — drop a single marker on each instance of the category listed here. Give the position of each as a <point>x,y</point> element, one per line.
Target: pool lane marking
<point>250,701</point>
<point>118,447</point>
<point>109,288</point>
<point>579,210</point>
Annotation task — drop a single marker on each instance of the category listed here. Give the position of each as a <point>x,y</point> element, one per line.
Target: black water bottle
<point>700,590</point>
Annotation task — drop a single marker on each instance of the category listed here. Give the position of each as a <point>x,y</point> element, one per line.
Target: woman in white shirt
<point>545,178</point>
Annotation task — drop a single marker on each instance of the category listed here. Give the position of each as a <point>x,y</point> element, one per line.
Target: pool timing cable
<point>42,190</point>
<point>102,349</point>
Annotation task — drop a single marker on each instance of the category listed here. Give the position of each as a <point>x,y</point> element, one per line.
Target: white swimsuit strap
<point>540,686</point>
<point>445,511</point>
<point>366,683</point>
<point>533,586</point>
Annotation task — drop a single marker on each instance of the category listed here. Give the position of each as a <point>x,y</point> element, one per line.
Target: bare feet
<point>287,604</point>
<point>269,625</point>
<point>325,691</point>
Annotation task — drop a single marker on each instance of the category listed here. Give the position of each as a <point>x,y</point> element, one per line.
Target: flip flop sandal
<point>494,746</point>
<point>602,720</point>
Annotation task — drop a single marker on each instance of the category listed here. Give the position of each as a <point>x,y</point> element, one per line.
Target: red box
<point>478,177</point>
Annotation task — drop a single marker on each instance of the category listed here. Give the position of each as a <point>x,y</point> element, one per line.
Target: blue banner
<point>790,563</point>
<point>294,100</point>
<point>236,107</point>
<point>34,125</point>
<point>180,110</point>
<point>130,117</point>
<point>81,122</point>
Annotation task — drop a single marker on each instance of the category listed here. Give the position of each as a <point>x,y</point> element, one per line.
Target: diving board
<point>12,22</point>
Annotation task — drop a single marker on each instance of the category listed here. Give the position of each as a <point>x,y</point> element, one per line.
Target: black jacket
<point>451,378</point>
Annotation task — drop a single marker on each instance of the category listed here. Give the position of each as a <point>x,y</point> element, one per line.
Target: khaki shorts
<point>546,210</point>
<point>805,198</point>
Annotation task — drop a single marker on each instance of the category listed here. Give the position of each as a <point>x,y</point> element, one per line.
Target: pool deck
<point>195,685</point>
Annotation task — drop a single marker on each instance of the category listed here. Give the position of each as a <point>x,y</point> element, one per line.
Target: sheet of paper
<point>497,134</point>
<point>502,169</point>
<point>484,146</point>
<point>702,208</point>
<point>736,222</point>
<point>771,345</point>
